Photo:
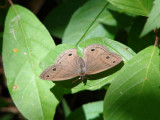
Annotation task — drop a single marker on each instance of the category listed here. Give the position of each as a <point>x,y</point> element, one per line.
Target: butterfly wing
<point>98,58</point>
<point>65,67</point>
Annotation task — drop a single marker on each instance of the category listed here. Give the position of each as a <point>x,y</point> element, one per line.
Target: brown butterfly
<point>97,58</point>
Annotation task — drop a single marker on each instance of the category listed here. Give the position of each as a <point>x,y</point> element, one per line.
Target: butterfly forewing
<point>58,72</point>
<point>68,56</point>
<point>65,67</point>
<point>98,58</point>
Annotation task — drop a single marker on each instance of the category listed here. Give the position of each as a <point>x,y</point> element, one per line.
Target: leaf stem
<point>157,38</point>
<point>10,1</point>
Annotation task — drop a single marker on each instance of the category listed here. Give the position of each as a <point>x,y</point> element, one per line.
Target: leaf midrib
<point>91,24</point>
<point>141,82</point>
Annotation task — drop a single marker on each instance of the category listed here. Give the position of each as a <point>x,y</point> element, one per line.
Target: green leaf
<point>138,7</point>
<point>96,81</point>
<point>66,108</point>
<point>153,20</point>
<point>90,111</point>
<point>135,92</point>
<point>58,18</point>
<point>87,22</point>
<point>134,40</point>
<point>118,10</point>
<point>26,42</point>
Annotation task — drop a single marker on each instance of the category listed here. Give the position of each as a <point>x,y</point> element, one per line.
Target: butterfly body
<point>81,66</point>
<point>96,58</point>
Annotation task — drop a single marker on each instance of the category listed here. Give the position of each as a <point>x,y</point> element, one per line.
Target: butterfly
<point>97,58</point>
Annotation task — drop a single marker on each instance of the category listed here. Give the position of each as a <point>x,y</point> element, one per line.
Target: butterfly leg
<point>77,80</point>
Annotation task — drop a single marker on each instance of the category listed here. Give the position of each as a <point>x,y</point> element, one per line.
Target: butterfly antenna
<point>87,77</point>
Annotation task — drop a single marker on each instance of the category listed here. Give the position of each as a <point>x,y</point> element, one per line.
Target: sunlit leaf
<point>153,20</point>
<point>138,7</point>
<point>88,22</point>
<point>135,92</point>
<point>25,43</point>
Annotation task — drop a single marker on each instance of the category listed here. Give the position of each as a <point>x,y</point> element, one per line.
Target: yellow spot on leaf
<point>15,50</point>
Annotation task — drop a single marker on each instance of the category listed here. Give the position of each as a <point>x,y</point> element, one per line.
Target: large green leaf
<point>135,92</point>
<point>90,111</point>
<point>58,18</point>
<point>153,20</point>
<point>87,22</point>
<point>96,81</point>
<point>25,43</point>
<point>138,7</point>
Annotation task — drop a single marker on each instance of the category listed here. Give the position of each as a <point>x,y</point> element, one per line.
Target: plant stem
<point>156,34</point>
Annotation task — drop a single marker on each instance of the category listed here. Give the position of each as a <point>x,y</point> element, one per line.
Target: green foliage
<point>134,93</point>
<point>153,20</point>
<point>138,7</point>
<point>28,49</point>
<point>26,42</point>
<point>85,22</point>
<point>58,18</point>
